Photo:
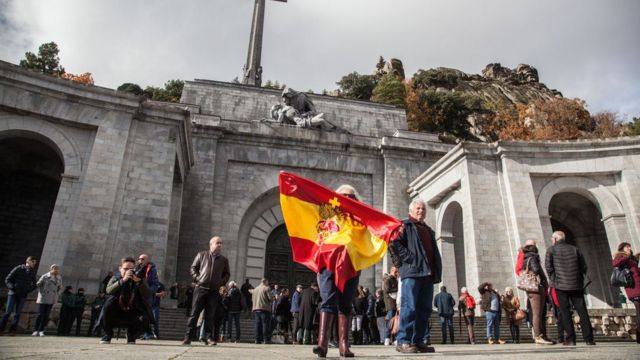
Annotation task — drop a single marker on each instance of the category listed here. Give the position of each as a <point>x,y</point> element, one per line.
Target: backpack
<point>471,302</point>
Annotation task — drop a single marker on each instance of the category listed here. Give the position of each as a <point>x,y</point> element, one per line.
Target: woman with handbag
<point>511,305</point>
<point>625,258</point>
<point>532,271</point>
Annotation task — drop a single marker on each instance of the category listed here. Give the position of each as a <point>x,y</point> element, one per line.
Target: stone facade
<point>122,158</point>
<point>143,176</point>
<point>488,199</point>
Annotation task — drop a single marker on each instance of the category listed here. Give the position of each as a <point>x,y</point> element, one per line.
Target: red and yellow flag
<point>329,230</point>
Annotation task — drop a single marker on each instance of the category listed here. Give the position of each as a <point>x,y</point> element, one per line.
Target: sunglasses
<point>350,196</point>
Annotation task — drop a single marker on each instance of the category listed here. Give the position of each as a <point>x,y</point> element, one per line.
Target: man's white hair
<point>416,201</point>
<point>231,284</point>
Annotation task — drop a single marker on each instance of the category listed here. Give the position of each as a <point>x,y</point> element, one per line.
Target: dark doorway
<point>279,265</point>
<point>30,173</point>
<point>581,221</point>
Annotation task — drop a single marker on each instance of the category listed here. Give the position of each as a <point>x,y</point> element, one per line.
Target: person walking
<point>20,282</point>
<point>96,308</point>
<point>245,290</point>
<point>360,308</point>
<point>79,302</point>
<point>65,320</point>
<point>445,304</point>
<point>209,271</point>
<point>283,314</point>
<point>567,270</point>
<point>625,258</point>
<point>467,310</point>
<point>492,311</point>
<point>295,313</point>
<point>49,286</point>
<point>420,267</point>
<point>261,299</point>
<point>308,306</point>
<point>537,299</point>
<point>380,312</point>
<point>234,307</point>
<point>511,304</point>
<point>220,318</point>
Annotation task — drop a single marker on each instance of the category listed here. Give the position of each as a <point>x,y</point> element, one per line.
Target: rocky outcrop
<point>497,83</point>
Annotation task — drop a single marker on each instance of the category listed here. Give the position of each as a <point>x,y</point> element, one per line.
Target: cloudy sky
<point>588,49</point>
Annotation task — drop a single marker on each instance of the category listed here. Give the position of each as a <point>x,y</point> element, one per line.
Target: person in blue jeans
<point>445,304</point>
<point>20,282</point>
<point>492,312</point>
<point>418,260</point>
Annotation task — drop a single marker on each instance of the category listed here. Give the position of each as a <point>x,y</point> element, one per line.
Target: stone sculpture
<point>297,109</point>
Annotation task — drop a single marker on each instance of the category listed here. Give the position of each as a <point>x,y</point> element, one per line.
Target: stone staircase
<point>173,323</point>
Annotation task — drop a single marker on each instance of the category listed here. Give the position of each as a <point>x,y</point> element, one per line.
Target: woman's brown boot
<point>344,322</point>
<point>323,336</point>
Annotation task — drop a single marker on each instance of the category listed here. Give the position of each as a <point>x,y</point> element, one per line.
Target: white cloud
<point>584,48</point>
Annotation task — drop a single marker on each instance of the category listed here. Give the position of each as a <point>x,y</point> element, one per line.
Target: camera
<point>140,272</point>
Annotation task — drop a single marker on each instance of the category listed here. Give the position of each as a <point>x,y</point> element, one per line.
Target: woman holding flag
<point>336,236</point>
<point>335,302</point>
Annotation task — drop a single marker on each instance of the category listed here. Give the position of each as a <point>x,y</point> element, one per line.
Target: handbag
<point>528,281</point>
<point>622,276</point>
<point>519,316</point>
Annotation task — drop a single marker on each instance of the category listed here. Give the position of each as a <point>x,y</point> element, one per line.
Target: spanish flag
<point>329,230</point>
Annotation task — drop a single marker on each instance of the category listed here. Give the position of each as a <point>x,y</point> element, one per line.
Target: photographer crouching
<point>126,304</point>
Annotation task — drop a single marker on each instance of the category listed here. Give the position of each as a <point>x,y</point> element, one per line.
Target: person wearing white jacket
<point>48,288</point>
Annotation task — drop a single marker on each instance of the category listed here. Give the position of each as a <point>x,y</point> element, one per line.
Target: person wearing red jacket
<point>625,258</point>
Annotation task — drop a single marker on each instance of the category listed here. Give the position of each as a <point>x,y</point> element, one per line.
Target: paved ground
<point>69,348</point>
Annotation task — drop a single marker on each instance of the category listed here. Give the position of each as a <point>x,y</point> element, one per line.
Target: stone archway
<point>268,248</point>
<point>580,219</point>
<point>279,265</point>
<point>30,176</point>
<point>452,242</point>
<point>44,132</point>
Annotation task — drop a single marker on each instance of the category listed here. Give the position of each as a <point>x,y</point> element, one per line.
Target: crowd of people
<point>320,313</point>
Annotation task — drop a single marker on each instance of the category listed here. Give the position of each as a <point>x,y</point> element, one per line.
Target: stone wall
<point>246,103</point>
<point>118,154</point>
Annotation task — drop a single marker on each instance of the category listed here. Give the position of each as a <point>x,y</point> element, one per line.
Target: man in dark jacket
<point>127,304</point>
<point>20,282</point>
<point>96,308</point>
<point>79,302</point>
<point>567,269</point>
<point>444,303</point>
<point>148,271</point>
<point>210,271</point>
<point>234,307</point>
<point>420,267</point>
<point>295,313</point>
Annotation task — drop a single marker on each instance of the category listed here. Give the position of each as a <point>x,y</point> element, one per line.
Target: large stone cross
<point>252,70</point>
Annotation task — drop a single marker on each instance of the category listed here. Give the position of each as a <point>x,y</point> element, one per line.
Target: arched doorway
<point>454,270</point>
<point>580,220</point>
<point>279,265</point>
<point>30,175</point>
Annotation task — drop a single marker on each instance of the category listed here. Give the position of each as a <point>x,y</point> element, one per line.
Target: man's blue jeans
<point>415,309</point>
<point>234,320</point>
<point>14,305</point>
<point>262,328</point>
<point>493,324</point>
<point>446,322</point>
<point>331,298</point>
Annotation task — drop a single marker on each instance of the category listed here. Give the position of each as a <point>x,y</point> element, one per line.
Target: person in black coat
<point>308,306</point>
<point>567,271</point>
<point>283,313</point>
<point>20,282</point>
<point>234,303</point>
